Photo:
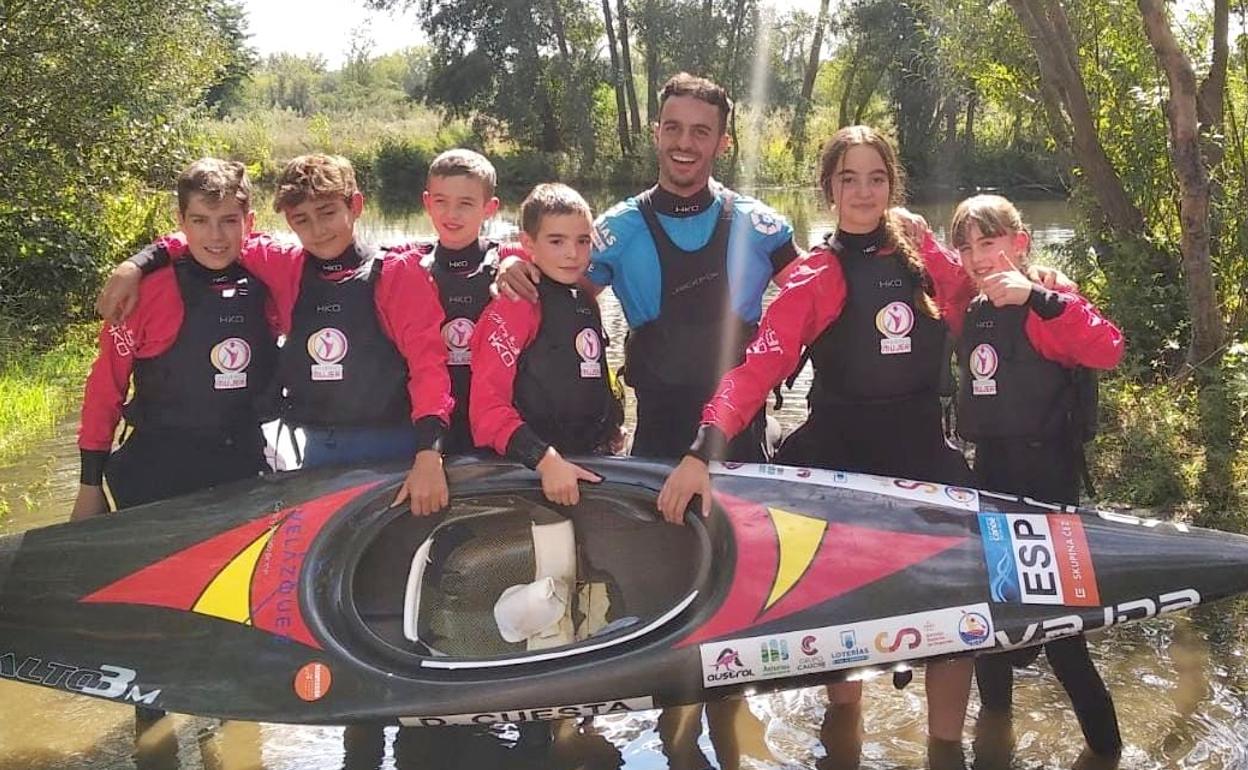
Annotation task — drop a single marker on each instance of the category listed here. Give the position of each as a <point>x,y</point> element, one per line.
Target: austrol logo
<point>728,667</point>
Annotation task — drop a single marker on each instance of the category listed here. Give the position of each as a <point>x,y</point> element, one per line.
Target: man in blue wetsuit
<point>689,260</point>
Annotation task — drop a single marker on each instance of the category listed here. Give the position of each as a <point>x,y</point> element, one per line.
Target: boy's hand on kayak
<point>517,279</point>
<point>425,485</point>
<point>561,479</point>
<point>89,502</point>
<point>690,478</point>
<point>120,293</point>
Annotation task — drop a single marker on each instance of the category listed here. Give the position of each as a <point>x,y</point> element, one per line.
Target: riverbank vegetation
<point>1136,110</point>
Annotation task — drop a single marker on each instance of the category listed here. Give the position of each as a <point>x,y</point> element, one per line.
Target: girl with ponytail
<point>867,305</point>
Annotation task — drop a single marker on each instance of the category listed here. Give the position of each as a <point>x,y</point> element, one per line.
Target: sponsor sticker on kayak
<point>1038,559</point>
<point>918,491</point>
<point>538,714</point>
<point>884,640</point>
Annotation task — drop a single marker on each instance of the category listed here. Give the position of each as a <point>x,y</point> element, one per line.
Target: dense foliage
<point>95,96</point>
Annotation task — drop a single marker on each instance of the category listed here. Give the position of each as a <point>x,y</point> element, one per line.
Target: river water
<point>1180,683</point>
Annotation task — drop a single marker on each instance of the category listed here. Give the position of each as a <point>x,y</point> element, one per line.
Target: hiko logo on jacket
<point>984,363</point>
<point>590,349</point>
<point>327,347</point>
<point>457,334</point>
<point>895,321</point>
<point>231,357</point>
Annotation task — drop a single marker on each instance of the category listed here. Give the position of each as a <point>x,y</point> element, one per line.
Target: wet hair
<point>461,162</point>
<point>215,179</point>
<point>895,240</point>
<point>684,84</point>
<point>550,199</point>
<point>314,176</point>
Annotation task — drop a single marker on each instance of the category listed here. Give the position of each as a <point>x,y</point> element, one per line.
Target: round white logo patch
<point>231,356</point>
<point>457,334</point>
<point>895,319</point>
<point>588,344</point>
<point>327,346</point>
<point>984,361</point>
<point>766,222</point>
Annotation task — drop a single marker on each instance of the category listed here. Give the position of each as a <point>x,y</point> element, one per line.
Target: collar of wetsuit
<point>339,265</point>
<point>861,243</point>
<point>229,274</point>
<point>463,260</point>
<point>674,205</point>
<point>553,285</point>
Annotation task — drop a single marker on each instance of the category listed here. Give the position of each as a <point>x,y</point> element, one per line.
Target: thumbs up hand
<point>1007,285</point>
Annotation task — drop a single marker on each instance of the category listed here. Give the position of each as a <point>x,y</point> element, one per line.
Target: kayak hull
<point>281,599</point>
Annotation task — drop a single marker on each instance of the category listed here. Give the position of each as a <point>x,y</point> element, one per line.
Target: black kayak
<point>306,598</point>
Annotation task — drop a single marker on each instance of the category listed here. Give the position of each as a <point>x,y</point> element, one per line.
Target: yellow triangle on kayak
<point>228,596</point>
<point>799,537</point>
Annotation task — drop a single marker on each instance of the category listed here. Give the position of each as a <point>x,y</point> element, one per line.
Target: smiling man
<point>689,260</point>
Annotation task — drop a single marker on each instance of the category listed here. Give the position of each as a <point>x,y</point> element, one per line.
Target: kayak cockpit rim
<point>359,607</point>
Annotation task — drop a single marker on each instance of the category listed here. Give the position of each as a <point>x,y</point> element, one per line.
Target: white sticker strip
<point>920,491</point>
<point>536,714</point>
<point>871,642</point>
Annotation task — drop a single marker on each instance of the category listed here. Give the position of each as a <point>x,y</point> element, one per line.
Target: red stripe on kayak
<point>275,583</point>
<point>848,558</point>
<point>178,580</point>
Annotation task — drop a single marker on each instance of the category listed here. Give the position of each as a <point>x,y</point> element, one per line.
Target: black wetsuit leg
<point>667,423</point>
<point>1091,699</point>
<point>1046,471</point>
<point>156,464</point>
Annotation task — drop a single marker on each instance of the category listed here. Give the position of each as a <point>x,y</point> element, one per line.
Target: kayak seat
<point>459,573</point>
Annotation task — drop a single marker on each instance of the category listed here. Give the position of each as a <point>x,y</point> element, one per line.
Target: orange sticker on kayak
<point>313,681</point>
<point>1074,561</point>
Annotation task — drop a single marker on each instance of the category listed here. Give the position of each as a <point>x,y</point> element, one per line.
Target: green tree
<point>229,21</point>
<point>94,96</point>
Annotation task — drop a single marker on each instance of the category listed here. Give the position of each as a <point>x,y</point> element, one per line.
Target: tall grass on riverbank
<point>37,389</point>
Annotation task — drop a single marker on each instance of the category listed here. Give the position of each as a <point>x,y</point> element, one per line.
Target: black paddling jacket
<point>218,374</point>
<point>563,385</point>
<point>338,367</point>
<point>1006,389</point>
<point>463,279</point>
<point>881,348</point>
<point>697,336</point>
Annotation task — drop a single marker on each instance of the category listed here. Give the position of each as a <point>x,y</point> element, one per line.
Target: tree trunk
<point>797,139</point>
<point>1056,52</point>
<point>951,121</point>
<point>866,92</point>
<point>1208,331</point>
<point>621,105</point>
<point>968,131</point>
<point>842,116</point>
<point>626,59</point>
<point>652,66</point>
<point>738,21</point>
<point>556,18</point>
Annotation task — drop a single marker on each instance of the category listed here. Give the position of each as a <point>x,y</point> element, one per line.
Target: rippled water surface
<point>1180,683</point>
